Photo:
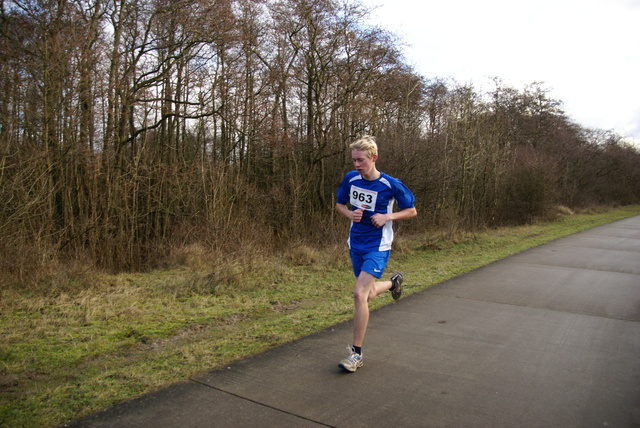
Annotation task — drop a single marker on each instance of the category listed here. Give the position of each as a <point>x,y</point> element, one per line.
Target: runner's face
<point>363,163</point>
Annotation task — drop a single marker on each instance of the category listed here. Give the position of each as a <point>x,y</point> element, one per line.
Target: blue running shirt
<point>376,196</point>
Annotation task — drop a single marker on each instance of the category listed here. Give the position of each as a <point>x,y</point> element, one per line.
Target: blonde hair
<point>366,144</point>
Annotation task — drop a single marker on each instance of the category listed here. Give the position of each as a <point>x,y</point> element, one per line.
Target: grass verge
<point>89,341</point>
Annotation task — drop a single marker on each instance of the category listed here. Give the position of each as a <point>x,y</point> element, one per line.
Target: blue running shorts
<point>373,262</point>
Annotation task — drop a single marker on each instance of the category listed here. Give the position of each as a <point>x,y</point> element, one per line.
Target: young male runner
<point>371,195</point>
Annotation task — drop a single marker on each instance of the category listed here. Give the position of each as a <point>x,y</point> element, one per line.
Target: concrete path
<point>547,338</point>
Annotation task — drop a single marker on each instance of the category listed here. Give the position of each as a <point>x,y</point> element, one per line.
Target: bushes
<point>528,191</point>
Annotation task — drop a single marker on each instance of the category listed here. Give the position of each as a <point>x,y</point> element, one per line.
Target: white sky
<point>586,52</point>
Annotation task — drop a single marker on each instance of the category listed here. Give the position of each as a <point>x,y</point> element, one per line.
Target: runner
<point>371,195</point>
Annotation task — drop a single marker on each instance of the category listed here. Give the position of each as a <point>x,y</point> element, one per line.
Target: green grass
<point>95,340</point>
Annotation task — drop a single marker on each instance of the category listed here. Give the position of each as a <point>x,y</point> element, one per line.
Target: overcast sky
<point>586,52</point>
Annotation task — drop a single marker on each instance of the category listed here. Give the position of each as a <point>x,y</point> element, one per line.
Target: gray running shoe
<point>396,289</point>
<point>352,362</point>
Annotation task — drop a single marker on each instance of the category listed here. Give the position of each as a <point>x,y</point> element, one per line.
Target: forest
<point>131,128</point>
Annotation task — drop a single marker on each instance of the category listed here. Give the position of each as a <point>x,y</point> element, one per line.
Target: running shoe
<point>396,288</point>
<point>352,362</point>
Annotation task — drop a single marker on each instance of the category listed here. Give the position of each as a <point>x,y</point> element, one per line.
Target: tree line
<point>131,127</point>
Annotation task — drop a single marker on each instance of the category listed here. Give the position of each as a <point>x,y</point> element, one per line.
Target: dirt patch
<point>280,307</point>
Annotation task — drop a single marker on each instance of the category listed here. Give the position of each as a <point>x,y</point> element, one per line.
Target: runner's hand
<point>357,215</point>
<point>379,220</point>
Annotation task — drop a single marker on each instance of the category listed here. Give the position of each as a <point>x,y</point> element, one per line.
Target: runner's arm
<point>379,220</point>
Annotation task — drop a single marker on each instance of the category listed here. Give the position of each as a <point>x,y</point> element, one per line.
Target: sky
<point>586,53</point>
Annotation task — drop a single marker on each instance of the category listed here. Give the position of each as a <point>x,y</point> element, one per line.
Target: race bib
<point>363,198</point>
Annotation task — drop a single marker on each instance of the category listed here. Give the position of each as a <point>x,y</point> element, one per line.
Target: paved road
<point>549,337</point>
